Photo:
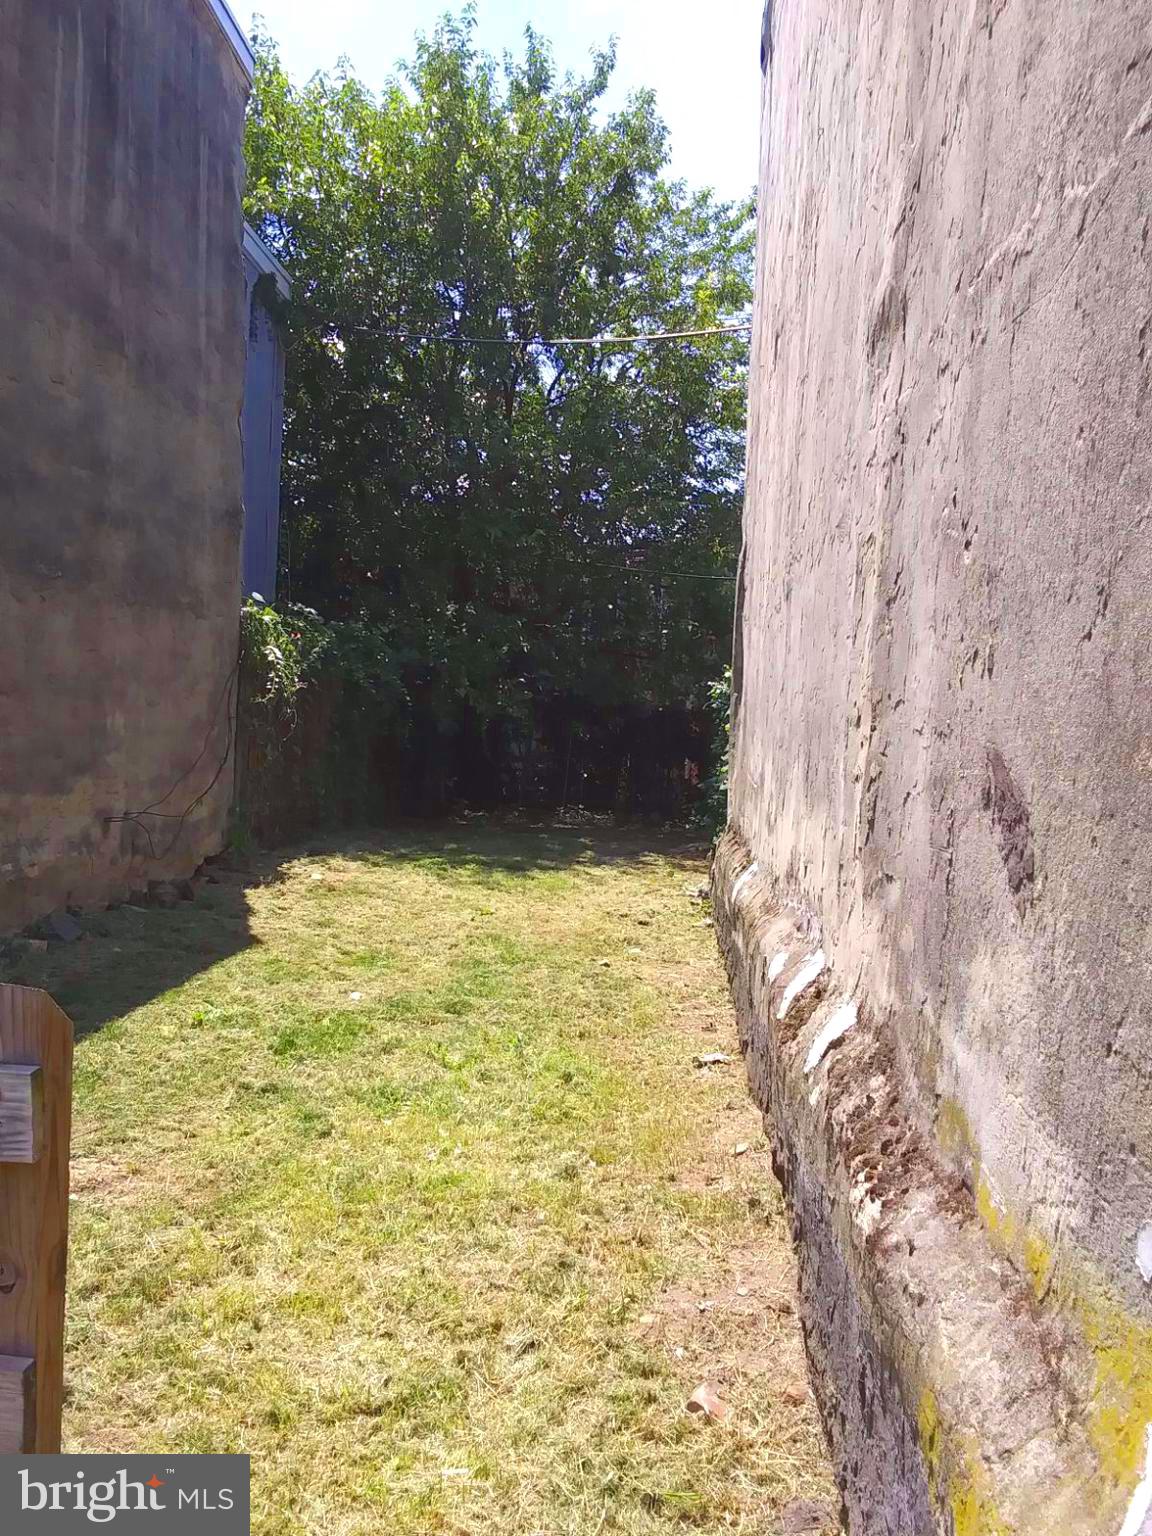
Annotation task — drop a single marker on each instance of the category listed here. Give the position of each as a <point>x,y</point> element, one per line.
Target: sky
<point>703,63</point>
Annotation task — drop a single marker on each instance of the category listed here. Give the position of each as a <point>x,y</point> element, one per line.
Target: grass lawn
<point>394,1170</point>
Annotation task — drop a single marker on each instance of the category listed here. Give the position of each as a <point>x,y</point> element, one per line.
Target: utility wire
<point>228,699</point>
<point>552,341</point>
<point>636,570</point>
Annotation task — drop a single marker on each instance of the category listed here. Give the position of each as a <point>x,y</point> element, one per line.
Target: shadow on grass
<point>483,846</point>
<point>131,955</point>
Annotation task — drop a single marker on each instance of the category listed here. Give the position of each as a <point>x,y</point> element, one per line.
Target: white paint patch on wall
<point>866,1210</point>
<point>1144,1251</point>
<point>742,880</point>
<point>839,1024</point>
<point>804,977</point>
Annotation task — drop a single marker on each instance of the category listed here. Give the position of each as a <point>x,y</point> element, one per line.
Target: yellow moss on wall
<point>1040,1262</point>
<point>953,1130</point>
<point>1119,1406</point>
<point>957,1476</point>
<point>973,1510</point>
<point>928,1427</point>
<point>997,1221</point>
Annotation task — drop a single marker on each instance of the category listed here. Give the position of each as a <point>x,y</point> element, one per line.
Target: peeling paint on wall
<point>837,1026</point>
<point>1144,1252</point>
<point>1011,821</point>
<point>803,979</point>
<point>1139,1520</point>
<point>743,880</point>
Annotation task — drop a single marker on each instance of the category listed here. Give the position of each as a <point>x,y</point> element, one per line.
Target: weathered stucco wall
<point>121,372</point>
<point>942,764</point>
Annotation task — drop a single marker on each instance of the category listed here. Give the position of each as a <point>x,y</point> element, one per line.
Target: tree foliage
<point>520,518</point>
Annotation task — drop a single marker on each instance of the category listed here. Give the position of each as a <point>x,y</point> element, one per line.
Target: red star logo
<point>154,1482</point>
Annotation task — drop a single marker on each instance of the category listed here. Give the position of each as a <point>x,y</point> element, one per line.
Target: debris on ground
<point>57,928</point>
<point>28,946</point>
<point>707,1401</point>
<point>710,1058</point>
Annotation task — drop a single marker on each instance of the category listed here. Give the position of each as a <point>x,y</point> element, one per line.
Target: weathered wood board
<point>21,1113</point>
<point>35,1135</point>
<point>17,1403</point>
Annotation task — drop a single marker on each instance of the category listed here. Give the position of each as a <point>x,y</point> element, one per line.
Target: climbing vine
<point>321,702</point>
<point>713,809</point>
<point>288,649</point>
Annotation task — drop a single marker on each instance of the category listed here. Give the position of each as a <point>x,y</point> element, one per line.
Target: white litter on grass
<point>804,977</point>
<point>1144,1251</point>
<point>839,1024</point>
<point>1136,1522</point>
<point>712,1059</point>
<point>742,880</point>
<point>778,963</point>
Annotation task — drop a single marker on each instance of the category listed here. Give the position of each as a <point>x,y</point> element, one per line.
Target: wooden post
<point>35,1133</point>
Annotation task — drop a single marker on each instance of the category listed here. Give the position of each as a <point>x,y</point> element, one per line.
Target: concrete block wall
<point>122,335</point>
<point>935,894</point>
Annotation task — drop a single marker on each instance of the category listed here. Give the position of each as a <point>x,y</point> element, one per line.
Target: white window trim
<point>264,261</point>
<point>230,27</point>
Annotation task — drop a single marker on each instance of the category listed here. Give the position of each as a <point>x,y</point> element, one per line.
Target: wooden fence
<point>35,1132</point>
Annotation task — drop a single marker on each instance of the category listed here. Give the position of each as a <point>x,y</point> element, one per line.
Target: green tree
<point>519,516</point>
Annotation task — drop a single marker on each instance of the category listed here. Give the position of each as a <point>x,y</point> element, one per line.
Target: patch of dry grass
<point>408,1187</point>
